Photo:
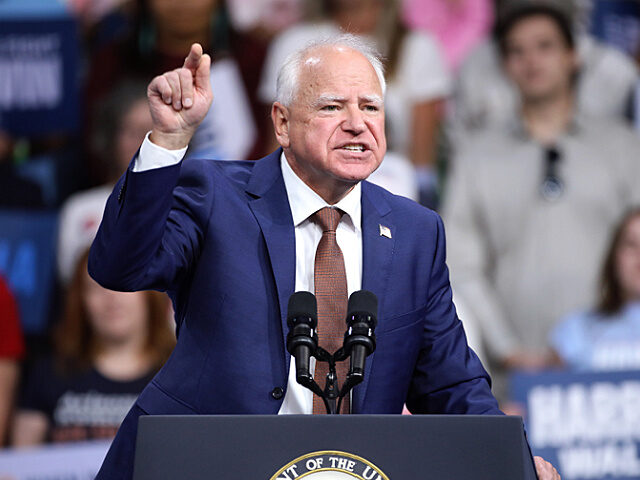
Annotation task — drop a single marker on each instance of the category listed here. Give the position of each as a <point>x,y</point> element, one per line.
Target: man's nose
<point>532,56</point>
<point>354,120</point>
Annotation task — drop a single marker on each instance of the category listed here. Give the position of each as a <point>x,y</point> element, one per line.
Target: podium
<point>317,447</point>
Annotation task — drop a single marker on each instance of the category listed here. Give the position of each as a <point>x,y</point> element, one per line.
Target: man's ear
<point>280,119</point>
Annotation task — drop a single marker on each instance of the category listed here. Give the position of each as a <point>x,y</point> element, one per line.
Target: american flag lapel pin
<point>385,231</point>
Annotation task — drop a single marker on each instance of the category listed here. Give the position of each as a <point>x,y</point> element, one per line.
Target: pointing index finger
<point>193,59</point>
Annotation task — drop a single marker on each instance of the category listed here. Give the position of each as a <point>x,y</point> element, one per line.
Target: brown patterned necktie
<point>330,280</point>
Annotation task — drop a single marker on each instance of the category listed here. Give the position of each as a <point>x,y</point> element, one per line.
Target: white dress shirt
<point>304,202</point>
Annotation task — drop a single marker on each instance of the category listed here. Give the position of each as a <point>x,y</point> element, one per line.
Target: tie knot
<point>328,218</point>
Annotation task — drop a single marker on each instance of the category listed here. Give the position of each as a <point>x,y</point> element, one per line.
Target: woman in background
<point>608,337</point>
<point>108,346</point>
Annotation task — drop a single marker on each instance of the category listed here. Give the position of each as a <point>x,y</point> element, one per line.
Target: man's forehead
<point>328,57</point>
<point>316,54</point>
<point>326,64</point>
<point>312,61</point>
<point>538,25</point>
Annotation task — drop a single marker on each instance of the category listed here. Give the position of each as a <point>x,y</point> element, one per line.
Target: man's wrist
<point>153,156</point>
<point>170,141</point>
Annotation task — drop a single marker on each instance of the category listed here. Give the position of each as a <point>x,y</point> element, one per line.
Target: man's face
<point>538,59</point>
<point>333,132</point>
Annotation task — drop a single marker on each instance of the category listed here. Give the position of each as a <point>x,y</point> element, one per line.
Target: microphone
<point>359,340</point>
<point>302,342</point>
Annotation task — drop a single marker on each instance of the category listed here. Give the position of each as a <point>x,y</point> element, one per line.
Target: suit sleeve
<point>448,376</point>
<point>152,228</point>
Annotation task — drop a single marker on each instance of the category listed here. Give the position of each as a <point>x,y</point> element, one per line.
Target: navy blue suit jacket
<point>219,238</point>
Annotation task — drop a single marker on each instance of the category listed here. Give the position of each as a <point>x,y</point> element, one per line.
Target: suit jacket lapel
<point>270,206</point>
<point>377,252</point>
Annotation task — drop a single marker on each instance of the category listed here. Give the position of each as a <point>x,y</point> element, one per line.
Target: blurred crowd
<point>515,119</point>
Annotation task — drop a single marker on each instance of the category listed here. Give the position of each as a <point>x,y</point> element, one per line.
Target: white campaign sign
<point>73,461</point>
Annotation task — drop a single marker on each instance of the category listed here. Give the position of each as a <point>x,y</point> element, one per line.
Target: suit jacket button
<point>277,393</point>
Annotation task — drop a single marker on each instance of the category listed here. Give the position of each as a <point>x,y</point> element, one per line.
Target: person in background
<point>15,191</point>
<point>636,99</point>
<point>120,124</point>
<point>458,25</point>
<point>484,96</point>
<point>11,352</point>
<point>607,337</point>
<point>163,30</point>
<point>418,82</point>
<point>108,346</point>
<point>529,204</point>
<point>254,24</point>
<point>100,21</point>
<point>268,16</point>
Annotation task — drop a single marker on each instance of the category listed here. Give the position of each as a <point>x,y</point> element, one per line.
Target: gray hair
<point>287,83</point>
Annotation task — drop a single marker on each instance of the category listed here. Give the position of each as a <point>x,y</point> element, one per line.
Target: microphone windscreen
<point>302,304</point>
<point>363,302</point>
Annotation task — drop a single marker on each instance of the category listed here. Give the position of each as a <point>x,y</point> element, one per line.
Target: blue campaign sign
<point>38,74</point>
<point>27,261</point>
<point>586,424</point>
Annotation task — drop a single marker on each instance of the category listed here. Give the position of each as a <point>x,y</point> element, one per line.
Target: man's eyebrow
<point>371,99</point>
<point>324,99</point>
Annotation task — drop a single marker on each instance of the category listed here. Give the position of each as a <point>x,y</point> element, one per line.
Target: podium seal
<point>329,465</point>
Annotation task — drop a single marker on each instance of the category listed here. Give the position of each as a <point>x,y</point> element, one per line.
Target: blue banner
<point>586,424</point>
<point>27,261</point>
<point>38,75</point>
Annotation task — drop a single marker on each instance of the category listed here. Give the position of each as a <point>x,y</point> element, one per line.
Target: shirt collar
<point>517,128</point>
<point>304,202</point>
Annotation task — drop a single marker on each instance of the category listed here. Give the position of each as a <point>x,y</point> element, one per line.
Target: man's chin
<point>357,168</point>
<point>354,176</point>
<point>537,95</point>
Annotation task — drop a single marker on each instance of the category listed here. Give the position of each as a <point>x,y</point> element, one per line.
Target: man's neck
<point>330,191</point>
<point>546,120</point>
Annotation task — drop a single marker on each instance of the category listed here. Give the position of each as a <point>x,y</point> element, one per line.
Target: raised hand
<point>179,100</point>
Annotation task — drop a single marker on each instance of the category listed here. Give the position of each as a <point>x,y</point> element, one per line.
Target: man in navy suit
<point>231,241</point>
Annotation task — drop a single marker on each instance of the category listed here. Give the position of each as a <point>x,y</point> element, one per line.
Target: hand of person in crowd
<point>529,361</point>
<point>545,470</point>
<point>179,100</point>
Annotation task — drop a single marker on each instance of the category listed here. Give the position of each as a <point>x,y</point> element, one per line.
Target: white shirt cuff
<point>153,156</point>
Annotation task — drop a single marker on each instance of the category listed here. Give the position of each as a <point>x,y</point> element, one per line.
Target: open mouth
<point>354,147</point>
